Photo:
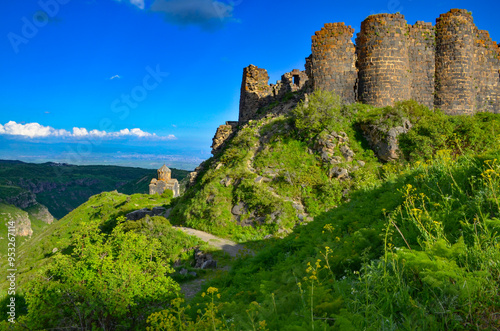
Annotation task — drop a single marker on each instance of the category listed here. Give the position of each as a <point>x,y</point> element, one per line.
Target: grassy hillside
<point>102,217</point>
<point>412,244</point>
<point>63,187</point>
<point>343,240</point>
<point>105,208</point>
<point>418,251</point>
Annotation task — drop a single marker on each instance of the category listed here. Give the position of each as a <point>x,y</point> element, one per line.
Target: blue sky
<point>170,69</point>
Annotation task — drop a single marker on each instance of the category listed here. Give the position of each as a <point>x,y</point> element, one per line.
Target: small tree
<point>322,111</point>
<point>105,282</point>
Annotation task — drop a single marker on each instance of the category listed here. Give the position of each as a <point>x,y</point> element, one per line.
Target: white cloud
<point>36,130</point>
<point>138,3</point>
<point>115,77</point>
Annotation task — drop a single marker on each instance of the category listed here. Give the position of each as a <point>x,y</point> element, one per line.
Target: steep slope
<point>270,177</point>
<point>106,208</point>
<point>409,244</point>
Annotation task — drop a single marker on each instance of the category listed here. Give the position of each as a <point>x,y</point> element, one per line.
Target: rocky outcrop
<point>327,144</point>
<point>224,132</point>
<point>141,213</point>
<point>36,187</point>
<point>384,140</point>
<point>22,221</point>
<point>204,260</point>
<point>193,175</point>
<point>42,213</point>
<point>23,200</point>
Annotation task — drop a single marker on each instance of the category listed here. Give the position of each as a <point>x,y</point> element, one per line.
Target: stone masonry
<point>383,61</point>
<point>224,132</point>
<point>453,66</point>
<point>164,182</point>
<point>256,93</point>
<point>333,61</point>
<point>422,60</point>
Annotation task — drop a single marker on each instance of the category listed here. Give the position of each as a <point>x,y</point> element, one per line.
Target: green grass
<point>414,246</point>
<point>107,208</point>
<point>352,268</point>
<point>407,245</point>
<point>63,188</point>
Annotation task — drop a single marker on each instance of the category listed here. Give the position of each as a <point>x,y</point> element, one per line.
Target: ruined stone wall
<point>333,61</point>
<point>486,73</point>
<point>256,93</point>
<point>422,57</point>
<point>223,133</point>
<point>455,92</point>
<point>452,66</point>
<point>383,61</point>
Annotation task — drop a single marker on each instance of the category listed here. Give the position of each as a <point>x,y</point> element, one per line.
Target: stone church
<point>164,182</point>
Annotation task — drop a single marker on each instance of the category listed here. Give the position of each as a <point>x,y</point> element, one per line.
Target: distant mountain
<point>62,187</point>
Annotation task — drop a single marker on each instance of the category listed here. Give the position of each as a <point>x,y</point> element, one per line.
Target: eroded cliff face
<point>21,219</point>
<point>42,213</point>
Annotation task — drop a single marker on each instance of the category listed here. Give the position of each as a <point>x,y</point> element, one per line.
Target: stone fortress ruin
<point>453,66</point>
<point>164,182</point>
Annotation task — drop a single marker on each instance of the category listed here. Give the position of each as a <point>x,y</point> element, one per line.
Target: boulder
<point>339,173</point>
<point>139,214</point>
<point>347,153</point>
<point>384,141</point>
<point>204,260</point>
<point>239,209</point>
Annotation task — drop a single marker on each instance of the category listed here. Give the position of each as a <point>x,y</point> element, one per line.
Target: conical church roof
<point>164,168</point>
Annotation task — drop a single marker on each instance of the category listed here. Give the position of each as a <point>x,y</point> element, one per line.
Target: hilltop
<point>380,214</point>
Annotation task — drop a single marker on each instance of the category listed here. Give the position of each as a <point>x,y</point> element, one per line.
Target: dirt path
<point>228,246</point>
<point>191,288</point>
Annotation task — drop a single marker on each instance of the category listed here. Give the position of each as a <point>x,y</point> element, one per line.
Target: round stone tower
<point>333,61</point>
<point>455,91</point>
<point>383,61</point>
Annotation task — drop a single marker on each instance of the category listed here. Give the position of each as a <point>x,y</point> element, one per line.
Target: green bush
<point>322,111</point>
<point>105,283</point>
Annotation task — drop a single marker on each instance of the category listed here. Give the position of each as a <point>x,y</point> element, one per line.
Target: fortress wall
<point>255,92</point>
<point>455,91</point>
<point>452,66</point>
<point>309,70</point>
<point>422,56</point>
<point>383,61</point>
<point>486,73</point>
<point>290,82</point>
<point>333,61</point>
